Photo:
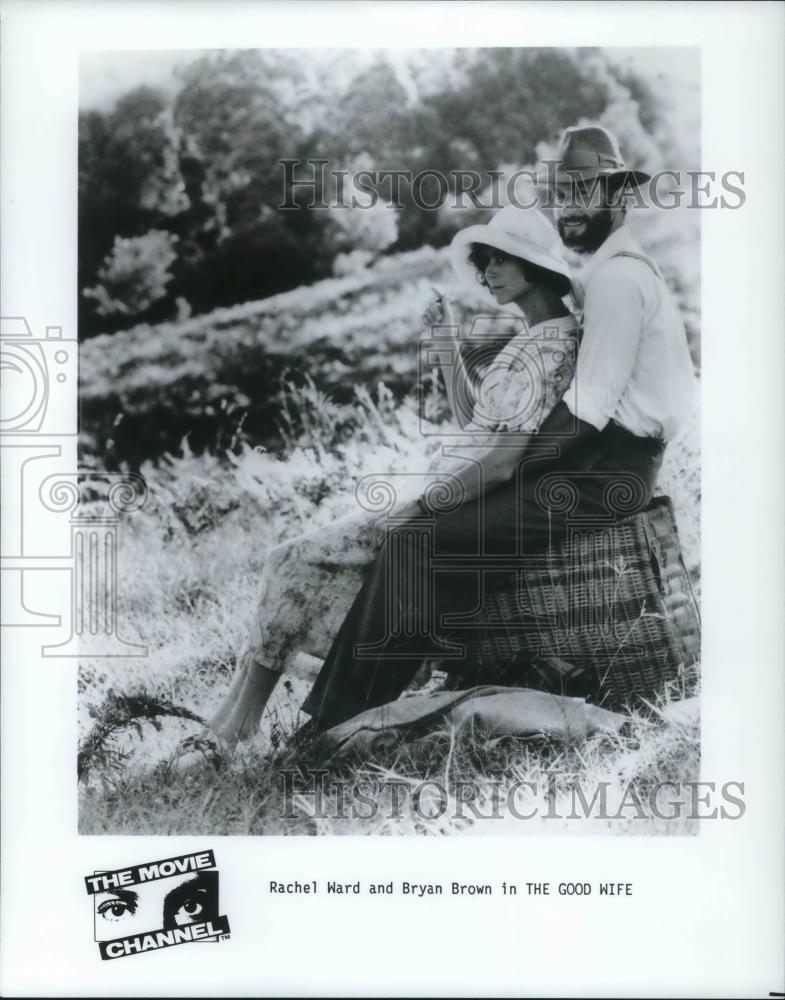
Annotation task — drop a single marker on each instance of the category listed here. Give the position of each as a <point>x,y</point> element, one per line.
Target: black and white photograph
<point>400,350</point>
<point>391,423</point>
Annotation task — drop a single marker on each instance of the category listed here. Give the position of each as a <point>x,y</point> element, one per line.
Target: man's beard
<point>593,234</point>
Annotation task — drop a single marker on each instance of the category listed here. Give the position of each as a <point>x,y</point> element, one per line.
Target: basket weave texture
<point>609,613</point>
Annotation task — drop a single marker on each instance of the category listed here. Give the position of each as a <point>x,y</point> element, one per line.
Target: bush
<point>135,274</point>
<point>202,162</point>
<point>221,378</point>
<point>372,229</point>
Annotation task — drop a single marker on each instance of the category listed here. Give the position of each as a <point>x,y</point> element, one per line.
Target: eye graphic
<point>190,909</point>
<point>192,901</point>
<point>115,909</point>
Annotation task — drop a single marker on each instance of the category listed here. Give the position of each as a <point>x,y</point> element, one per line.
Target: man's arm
<point>501,458</point>
<point>562,428</point>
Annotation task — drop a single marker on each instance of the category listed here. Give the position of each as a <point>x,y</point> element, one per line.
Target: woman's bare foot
<point>239,716</point>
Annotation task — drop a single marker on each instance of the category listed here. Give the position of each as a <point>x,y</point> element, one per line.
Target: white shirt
<point>634,365</point>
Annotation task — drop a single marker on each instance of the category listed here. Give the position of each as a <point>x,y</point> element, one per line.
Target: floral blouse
<point>524,381</point>
<point>527,378</point>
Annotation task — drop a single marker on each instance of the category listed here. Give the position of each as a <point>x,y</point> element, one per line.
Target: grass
<point>446,782</point>
<point>190,561</point>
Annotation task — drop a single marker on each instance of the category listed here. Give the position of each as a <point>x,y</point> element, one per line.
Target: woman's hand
<point>456,379</point>
<point>439,312</point>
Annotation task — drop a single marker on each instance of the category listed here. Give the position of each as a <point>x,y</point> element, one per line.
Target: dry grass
<point>191,559</point>
<point>190,563</point>
<point>446,782</point>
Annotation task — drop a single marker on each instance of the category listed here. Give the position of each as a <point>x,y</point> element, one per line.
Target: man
<point>634,366</point>
<point>595,457</point>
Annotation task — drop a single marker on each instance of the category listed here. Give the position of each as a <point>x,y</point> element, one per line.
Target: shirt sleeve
<point>612,326</point>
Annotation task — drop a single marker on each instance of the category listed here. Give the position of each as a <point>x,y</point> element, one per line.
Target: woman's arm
<point>499,457</point>
<point>460,393</point>
<point>486,465</point>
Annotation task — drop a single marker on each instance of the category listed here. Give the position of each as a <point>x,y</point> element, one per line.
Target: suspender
<point>639,256</point>
<point>622,253</point>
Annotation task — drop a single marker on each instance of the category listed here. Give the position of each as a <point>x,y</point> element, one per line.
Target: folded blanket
<point>496,711</point>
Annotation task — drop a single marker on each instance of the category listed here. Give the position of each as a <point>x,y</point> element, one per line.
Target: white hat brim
<point>530,252</point>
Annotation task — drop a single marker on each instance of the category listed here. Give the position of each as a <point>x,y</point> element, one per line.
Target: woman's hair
<point>480,255</point>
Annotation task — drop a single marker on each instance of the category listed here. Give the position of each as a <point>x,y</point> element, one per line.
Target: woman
<point>324,593</point>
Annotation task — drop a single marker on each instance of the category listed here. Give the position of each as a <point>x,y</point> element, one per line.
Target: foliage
<point>371,229</point>
<point>201,163</point>
<point>252,423</point>
<point>351,262</point>
<point>145,389</point>
<point>222,377</point>
<point>190,562</point>
<point>135,274</point>
<point>118,712</point>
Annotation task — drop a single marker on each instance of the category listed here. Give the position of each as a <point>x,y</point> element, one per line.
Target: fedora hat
<point>519,232</point>
<point>587,152</point>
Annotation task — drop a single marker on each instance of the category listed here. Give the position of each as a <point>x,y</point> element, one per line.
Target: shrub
<point>135,274</point>
<point>223,376</point>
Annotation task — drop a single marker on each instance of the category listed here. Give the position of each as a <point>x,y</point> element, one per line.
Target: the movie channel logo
<point>157,905</point>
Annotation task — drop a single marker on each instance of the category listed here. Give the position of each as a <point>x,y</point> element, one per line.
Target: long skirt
<point>429,575</point>
<point>374,601</point>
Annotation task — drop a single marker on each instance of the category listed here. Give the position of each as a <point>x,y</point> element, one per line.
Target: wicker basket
<point>609,614</point>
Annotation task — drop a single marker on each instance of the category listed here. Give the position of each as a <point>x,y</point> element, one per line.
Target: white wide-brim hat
<point>520,232</point>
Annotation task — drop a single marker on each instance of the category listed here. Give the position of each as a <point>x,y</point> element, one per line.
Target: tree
<point>241,112</point>
<point>129,184</point>
<point>134,275</point>
<point>197,174</point>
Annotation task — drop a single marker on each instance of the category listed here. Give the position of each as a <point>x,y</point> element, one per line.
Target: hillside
<point>217,378</point>
<point>250,426</point>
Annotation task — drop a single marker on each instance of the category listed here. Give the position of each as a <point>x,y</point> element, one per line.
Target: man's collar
<point>619,240</point>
